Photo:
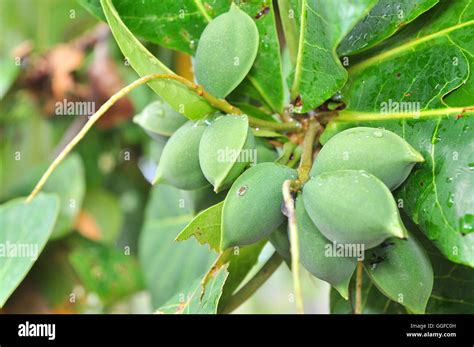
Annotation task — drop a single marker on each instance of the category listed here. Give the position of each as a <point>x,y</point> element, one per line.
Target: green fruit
<point>252,208</point>
<point>227,49</point>
<point>281,242</point>
<point>354,207</point>
<point>159,119</point>
<point>402,271</point>
<point>179,162</point>
<point>320,256</point>
<point>380,152</point>
<point>226,149</point>
<point>265,152</point>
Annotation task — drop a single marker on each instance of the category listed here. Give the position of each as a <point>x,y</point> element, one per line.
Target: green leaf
<point>110,273</point>
<point>319,73</point>
<point>197,299</point>
<point>205,227</point>
<point>169,266</point>
<point>415,69</point>
<point>179,26</point>
<point>453,290</point>
<point>24,228</point>
<point>241,261</point>
<point>381,22</point>
<point>67,182</point>
<point>266,75</point>
<point>173,24</point>
<point>180,97</point>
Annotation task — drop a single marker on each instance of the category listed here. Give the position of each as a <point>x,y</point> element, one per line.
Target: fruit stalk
<point>294,245</point>
<point>260,123</point>
<point>307,155</point>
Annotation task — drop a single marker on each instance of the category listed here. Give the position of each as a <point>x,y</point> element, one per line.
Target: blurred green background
<point>113,249</point>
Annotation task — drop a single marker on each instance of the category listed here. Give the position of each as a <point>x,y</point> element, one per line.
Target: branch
<point>253,284</point>
<point>307,154</point>
<point>221,104</point>
<point>260,123</point>
<point>294,243</point>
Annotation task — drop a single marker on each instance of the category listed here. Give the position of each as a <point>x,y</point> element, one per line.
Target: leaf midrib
<point>410,44</point>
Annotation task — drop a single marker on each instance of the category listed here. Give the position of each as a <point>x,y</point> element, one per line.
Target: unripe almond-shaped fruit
<point>352,206</point>
<point>380,152</point>
<point>158,119</point>
<point>281,242</point>
<point>226,149</point>
<point>402,271</point>
<point>318,255</point>
<point>252,208</point>
<point>226,51</point>
<point>179,162</point>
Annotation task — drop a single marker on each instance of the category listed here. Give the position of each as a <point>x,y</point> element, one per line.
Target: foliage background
<point>84,269</point>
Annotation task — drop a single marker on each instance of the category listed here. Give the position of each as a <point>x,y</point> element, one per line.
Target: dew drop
<point>377,134</point>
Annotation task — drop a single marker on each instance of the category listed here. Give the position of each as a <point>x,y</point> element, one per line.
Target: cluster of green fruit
<point>347,200</point>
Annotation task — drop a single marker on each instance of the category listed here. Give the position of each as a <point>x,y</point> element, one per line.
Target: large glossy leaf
<point>169,23</point>
<point>198,299</point>
<point>67,181</point>
<point>24,230</point>
<point>179,24</point>
<point>180,97</point>
<point>169,266</point>
<point>319,74</point>
<point>400,85</point>
<point>266,74</point>
<point>381,22</point>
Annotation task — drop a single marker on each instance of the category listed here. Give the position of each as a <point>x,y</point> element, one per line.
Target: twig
<point>307,154</point>
<point>253,284</point>
<point>294,244</point>
<point>260,123</point>
<point>213,101</point>
<point>358,301</point>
